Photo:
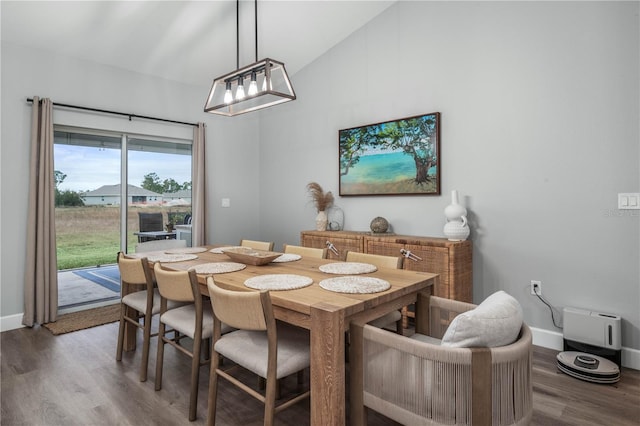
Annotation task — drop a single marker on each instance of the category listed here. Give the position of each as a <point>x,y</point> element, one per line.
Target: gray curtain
<point>198,193</point>
<point>41,272</point>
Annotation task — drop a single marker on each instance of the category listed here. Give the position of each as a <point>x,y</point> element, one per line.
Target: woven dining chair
<point>193,320</point>
<point>392,319</point>
<point>257,245</point>
<point>318,253</point>
<point>269,349</point>
<point>138,300</point>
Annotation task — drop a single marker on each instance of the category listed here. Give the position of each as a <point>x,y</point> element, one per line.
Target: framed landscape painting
<point>400,157</point>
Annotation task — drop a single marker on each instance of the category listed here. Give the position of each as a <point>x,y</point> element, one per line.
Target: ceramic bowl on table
<point>250,256</point>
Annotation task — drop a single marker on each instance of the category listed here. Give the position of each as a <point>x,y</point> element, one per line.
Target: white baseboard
<point>547,339</point>
<point>11,322</point>
<point>631,358</point>
<point>553,340</point>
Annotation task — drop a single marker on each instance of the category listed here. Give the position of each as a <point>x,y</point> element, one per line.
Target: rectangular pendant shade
<point>272,82</point>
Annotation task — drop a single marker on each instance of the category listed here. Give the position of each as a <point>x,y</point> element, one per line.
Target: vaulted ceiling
<point>188,41</point>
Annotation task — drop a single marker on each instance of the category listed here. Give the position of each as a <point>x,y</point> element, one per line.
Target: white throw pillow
<point>494,322</point>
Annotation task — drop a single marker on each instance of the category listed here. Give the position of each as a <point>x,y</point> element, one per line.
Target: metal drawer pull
<point>409,255</point>
<point>331,247</point>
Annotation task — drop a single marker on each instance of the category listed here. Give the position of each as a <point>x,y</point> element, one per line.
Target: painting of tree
<point>400,157</point>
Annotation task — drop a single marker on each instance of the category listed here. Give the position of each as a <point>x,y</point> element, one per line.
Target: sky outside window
<point>89,168</point>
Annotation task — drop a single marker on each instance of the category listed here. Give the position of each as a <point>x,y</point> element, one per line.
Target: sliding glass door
<point>105,184</point>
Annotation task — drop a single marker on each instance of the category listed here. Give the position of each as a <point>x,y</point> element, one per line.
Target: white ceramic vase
<point>321,221</point>
<point>456,228</point>
<point>454,210</point>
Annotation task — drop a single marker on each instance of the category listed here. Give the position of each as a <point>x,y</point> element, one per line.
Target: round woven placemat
<point>218,250</point>
<point>348,268</point>
<point>278,282</point>
<point>287,257</point>
<point>355,284</point>
<point>186,250</point>
<point>218,267</point>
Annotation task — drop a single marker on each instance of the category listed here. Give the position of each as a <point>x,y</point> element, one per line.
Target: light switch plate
<point>226,202</point>
<point>629,201</point>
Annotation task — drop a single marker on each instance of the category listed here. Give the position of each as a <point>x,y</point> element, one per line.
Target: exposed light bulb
<point>253,86</point>
<point>240,89</point>
<point>228,96</point>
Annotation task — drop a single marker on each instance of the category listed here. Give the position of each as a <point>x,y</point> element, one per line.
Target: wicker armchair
<point>414,380</point>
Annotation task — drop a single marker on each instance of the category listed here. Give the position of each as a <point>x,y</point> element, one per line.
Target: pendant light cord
<point>237,34</point>
<point>256,17</point>
<point>238,31</point>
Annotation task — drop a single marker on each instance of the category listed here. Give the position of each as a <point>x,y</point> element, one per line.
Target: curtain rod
<point>104,111</point>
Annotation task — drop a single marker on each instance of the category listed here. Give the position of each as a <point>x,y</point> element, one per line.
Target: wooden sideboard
<point>452,260</point>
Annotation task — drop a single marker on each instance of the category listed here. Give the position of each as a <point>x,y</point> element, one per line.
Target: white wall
<point>540,106</point>
<point>233,170</point>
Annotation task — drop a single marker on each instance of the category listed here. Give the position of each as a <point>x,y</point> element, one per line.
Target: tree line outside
<point>151,182</point>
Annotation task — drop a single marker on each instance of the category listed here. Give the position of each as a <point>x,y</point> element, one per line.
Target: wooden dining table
<point>327,314</point>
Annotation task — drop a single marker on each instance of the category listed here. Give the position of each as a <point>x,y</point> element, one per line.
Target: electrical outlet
<point>536,287</point>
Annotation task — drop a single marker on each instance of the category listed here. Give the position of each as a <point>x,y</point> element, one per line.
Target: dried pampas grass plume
<point>321,199</point>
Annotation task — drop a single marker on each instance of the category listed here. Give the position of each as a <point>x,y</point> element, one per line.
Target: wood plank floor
<point>73,379</point>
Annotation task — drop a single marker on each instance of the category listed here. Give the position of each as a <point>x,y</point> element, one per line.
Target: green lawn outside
<point>90,235</point>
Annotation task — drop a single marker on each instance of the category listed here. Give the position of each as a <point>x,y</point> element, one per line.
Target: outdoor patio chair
<point>149,222</point>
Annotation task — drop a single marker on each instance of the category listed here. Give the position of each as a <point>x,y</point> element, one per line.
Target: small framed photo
<point>399,157</point>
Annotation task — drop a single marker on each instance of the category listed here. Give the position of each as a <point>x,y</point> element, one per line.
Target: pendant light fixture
<point>228,95</point>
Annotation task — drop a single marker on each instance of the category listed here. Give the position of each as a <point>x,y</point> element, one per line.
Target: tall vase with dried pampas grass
<point>322,200</point>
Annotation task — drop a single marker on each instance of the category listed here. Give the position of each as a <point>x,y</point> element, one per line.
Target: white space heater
<point>592,346</point>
